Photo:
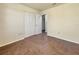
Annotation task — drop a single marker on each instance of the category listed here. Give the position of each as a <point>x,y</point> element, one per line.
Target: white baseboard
<point>63,38</point>
<point>22,37</point>
<point>25,36</point>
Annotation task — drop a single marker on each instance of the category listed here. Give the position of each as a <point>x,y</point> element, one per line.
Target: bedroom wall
<point>63,22</point>
<point>12,22</point>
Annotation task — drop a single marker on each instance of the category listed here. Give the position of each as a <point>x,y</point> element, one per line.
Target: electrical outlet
<point>20,33</point>
<point>16,34</point>
<point>58,32</point>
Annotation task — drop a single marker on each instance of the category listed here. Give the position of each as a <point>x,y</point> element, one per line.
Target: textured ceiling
<point>41,6</point>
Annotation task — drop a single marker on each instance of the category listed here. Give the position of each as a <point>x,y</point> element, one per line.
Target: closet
<point>20,23</point>
<point>16,25</point>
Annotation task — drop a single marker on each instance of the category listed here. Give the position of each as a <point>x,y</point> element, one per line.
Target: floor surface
<point>40,44</point>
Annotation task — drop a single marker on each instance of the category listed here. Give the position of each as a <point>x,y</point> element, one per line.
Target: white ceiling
<point>41,6</point>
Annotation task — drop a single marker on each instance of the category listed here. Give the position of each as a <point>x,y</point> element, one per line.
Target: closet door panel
<point>27,24</point>
<point>38,24</point>
<point>32,23</point>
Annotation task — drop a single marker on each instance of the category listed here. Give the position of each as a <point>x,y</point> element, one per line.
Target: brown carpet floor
<point>40,44</point>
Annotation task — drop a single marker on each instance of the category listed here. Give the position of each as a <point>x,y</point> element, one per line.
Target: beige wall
<point>12,22</point>
<point>63,22</point>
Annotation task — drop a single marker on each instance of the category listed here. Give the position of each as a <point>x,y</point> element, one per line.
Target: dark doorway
<point>43,24</point>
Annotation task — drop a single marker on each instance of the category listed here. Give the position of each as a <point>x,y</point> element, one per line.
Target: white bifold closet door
<point>38,27</point>
<point>32,24</point>
<point>29,24</point>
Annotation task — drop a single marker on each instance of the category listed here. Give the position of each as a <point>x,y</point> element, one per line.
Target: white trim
<point>63,38</point>
<point>25,36</point>
<point>22,37</point>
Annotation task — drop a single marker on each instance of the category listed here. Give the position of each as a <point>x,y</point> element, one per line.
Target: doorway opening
<point>43,24</point>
